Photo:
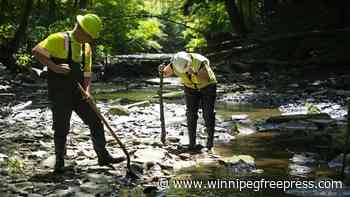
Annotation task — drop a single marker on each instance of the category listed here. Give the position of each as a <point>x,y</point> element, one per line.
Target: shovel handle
<point>98,113</point>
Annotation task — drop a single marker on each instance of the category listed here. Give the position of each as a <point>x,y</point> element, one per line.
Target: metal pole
<point>161,105</point>
<point>98,113</point>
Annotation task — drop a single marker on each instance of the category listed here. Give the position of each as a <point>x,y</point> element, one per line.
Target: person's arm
<point>43,56</point>
<point>167,70</point>
<point>203,73</point>
<point>87,84</point>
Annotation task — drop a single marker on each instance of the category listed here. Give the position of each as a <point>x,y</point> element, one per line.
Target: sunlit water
<point>272,153</point>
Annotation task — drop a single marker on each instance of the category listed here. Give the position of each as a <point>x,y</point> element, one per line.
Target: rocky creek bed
<point>26,138</point>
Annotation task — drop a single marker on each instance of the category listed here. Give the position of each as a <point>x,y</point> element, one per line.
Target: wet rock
<point>239,163</point>
<point>293,85</point>
<point>239,117</point>
<point>40,154</point>
<point>258,171</point>
<point>21,106</point>
<point>3,157</point>
<point>299,170</point>
<point>304,158</point>
<point>297,117</point>
<point>86,162</point>
<point>183,164</point>
<point>334,110</point>
<point>119,110</point>
<point>173,95</point>
<point>93,188</point>
<point>35,195</point>
<point>300,126</point>
<point>4,87</point>
<point>138,104</point>
<point>184,156</point>
<point>338,161</point>
<point>155,171</point>
<point>240,167</point>
<point>99,178</point>
<point>49,162</point>
<point>244,130</point>
<point>149,155</point>
<point>236,158</point>
<point>173,139</point>
<point>223,137</point>
<point>71,191</point>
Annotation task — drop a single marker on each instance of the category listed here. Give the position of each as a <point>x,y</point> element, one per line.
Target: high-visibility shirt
<point>57,44</point>
<point>192,80</point>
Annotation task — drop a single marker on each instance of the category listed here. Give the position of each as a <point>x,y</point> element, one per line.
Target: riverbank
<point>245,103</point>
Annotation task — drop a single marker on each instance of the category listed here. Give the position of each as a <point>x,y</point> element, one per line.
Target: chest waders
<point>65,97</point>
<point>65,85</point>
<point>196,98</point>
<point>65,93</point>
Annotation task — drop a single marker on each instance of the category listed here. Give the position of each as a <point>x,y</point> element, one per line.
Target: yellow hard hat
<point>91,24</point>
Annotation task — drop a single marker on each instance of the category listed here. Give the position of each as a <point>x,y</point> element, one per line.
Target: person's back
<point>200,89</point>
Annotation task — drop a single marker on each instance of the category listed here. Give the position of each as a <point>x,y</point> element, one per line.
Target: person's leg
<point>208,96</point>
<point>89,117</point>
<point>61,122</point>
<point>192,105</point>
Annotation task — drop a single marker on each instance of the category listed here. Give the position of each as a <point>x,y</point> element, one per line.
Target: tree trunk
<point>250,12</point>
<point>83,4</point>
<point>75,3</point>
<point>268,8</point>
<point>52,10</point>
<point>235,17</point>
<point>38,4</point>
<point>10,48</point>
<point>343,7</point>
<point>3,8</point>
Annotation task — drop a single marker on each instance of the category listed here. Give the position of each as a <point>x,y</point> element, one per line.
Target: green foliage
<point>102,51</point>
<point>196,43</point>
<point>118,18</point>
<point>312,109</point>
<point>6,32</point>
<point>61,25</point>
<point>146,35</point>
<point>205,19</point>
<point>15,165</point>
<point>23,59</point>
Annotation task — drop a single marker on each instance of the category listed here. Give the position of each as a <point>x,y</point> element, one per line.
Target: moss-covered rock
<point>119,110</point>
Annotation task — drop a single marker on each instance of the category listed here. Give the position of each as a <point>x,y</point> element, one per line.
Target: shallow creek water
<point>278,156</point>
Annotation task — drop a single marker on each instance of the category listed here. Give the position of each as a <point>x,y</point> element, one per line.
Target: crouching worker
<point>68,57</point>
<point>200,91</point>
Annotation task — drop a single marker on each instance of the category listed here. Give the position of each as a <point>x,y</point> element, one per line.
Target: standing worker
<point>200,89</point>
<point>69,58</point>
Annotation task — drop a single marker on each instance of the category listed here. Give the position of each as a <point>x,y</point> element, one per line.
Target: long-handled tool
<point>346,142</point>
<point>130,172</point>
<point>161,105</point>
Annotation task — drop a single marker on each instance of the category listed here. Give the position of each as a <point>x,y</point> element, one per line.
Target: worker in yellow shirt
<point>68,56</point>
<point>200,91</point>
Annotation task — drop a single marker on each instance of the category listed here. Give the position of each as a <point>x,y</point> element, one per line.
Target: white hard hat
<point>180,61</point>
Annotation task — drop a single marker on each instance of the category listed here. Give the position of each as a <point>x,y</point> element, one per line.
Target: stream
<point>278,155</point>
<point>252,142</point>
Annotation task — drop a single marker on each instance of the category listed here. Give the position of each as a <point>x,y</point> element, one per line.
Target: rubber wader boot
<point>192,127</point>
<point>60,151</point>
<point>104,158</point>
<point>210,141</point>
